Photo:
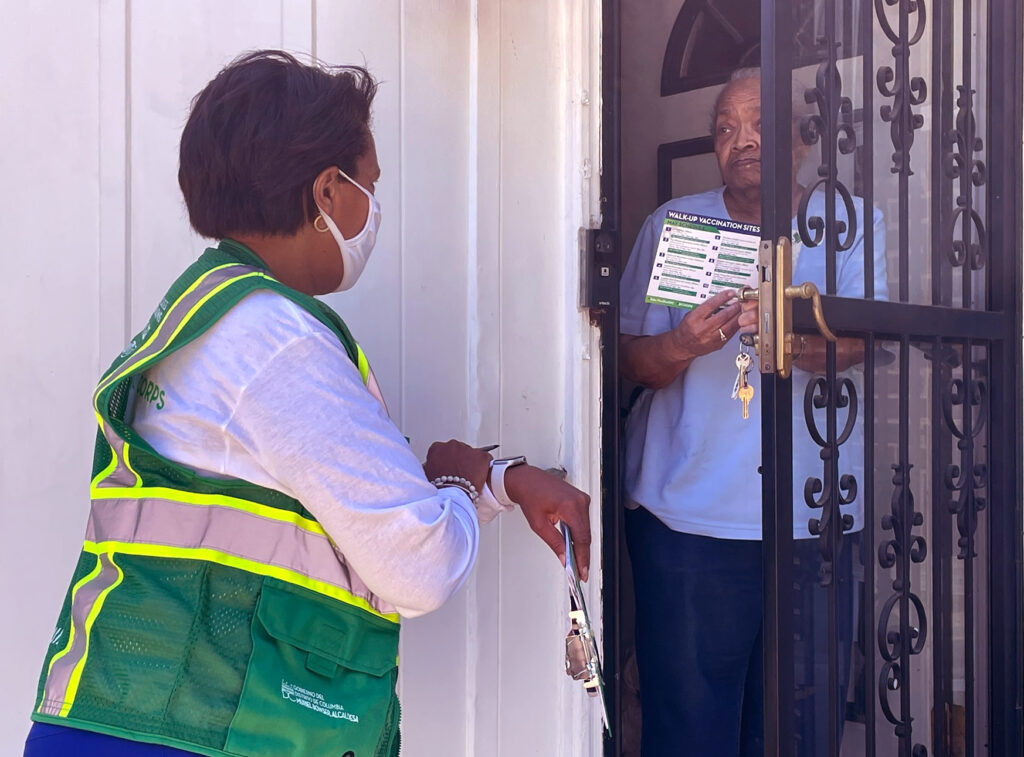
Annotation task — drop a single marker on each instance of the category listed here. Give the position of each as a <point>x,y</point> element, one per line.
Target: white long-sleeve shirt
<point>269,395</point>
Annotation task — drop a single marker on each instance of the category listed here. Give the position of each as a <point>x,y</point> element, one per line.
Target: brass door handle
<point>774,338</point>
<point>808,291</point>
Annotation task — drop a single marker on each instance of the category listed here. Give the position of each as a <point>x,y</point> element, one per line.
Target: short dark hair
<point>260,132</point>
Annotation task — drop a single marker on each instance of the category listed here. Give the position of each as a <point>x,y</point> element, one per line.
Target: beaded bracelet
<point>459,483</point>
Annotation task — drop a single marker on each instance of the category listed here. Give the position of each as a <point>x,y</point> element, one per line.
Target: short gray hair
<point>801,109</point>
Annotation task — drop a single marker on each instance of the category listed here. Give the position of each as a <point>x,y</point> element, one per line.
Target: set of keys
<point>743,389</point>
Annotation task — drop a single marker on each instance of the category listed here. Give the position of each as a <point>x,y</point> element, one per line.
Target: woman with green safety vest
<point>258,524</point>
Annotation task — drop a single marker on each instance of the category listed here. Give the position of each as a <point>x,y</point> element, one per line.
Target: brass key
<point>746,393</point>
<point>742,389</point>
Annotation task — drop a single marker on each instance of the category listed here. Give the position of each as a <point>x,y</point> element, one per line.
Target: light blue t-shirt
<point>691,459</point>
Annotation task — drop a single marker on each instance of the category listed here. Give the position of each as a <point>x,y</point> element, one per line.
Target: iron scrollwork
<point>833,494</point>
<point>906,91</point>
<point>897,645</point>
<point>832,127</point>
<point>966,480</point>
<point>903,636</point>
<point>963,144</point>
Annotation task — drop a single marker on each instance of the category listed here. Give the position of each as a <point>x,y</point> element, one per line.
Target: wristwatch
<point>498,468</point>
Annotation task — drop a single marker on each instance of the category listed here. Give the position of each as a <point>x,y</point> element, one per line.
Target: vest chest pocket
<point>320,681</point>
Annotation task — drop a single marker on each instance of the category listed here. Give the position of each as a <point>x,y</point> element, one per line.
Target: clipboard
<point>582,655</point>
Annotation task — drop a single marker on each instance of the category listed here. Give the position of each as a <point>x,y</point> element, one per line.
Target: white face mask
<point>355,251</point>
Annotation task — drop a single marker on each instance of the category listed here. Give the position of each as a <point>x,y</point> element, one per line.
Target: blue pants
<point>698,639</point>
<point>45,740</point>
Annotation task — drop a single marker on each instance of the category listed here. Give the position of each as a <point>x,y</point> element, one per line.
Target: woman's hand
<point>655,361</point>
<point>748,317</point>
<point>453,458</point>
<point>703,331</point>
<point>545,500</point>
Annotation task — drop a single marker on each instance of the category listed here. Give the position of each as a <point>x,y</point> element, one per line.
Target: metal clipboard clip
<point>582,658</point>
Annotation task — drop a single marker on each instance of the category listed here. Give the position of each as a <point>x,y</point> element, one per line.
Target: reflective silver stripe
<point>58,679</point>
<point>231,531</point>
<point>122,476</point>
<point>175,316</point>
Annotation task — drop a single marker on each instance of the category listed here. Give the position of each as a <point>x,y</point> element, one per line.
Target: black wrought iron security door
<point>892,457</point>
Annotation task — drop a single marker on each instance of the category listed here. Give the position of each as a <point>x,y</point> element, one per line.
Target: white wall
<point>482,134</point>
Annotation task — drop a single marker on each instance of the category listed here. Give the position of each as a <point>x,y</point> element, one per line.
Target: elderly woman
<point>695,545</point>
<point>258,523</point>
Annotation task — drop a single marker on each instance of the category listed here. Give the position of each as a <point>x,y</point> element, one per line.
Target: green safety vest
<point>215,616</point>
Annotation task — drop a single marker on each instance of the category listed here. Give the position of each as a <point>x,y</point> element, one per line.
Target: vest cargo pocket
<point>320,681</point>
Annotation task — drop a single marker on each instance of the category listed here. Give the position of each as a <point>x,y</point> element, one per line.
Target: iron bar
<point>831,98</point>
<point>942,129</point>
<point>973,477</point>
<point>832,129</point>
<point>828,393</point>
<point>965,200</point>
<point>941,368</point>
<point>1006,570</point>
<point>891,320</point>
<point>902,55</point>
<point>969,250</point>
<point>906,520</point>
<point>898,645</point>
<point>868,151</point>
<point>833,535</point>
<point>942,358</point>
<point>776,394</point>
<point>868,555</point>
<point>964,480</point>
<point>906,92</point>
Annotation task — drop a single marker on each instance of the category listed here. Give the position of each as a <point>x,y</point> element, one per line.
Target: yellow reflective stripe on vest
<point>119,471</point>
<point>369,380</point>
<point>363,364</point>
<point>177,317</point>
<point>245,538</point>
<point>65,670</point>
<point>114,460</point>
<point>126,455</point>
<point>241,563</point>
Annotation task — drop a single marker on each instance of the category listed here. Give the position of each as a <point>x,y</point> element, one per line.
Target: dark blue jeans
<point>45,740</point>
<point>698,639</point>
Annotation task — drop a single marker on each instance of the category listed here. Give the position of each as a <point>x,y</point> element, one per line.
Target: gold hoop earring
<point>320,217</point>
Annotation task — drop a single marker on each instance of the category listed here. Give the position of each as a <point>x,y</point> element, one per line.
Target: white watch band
<point>498,468</point>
